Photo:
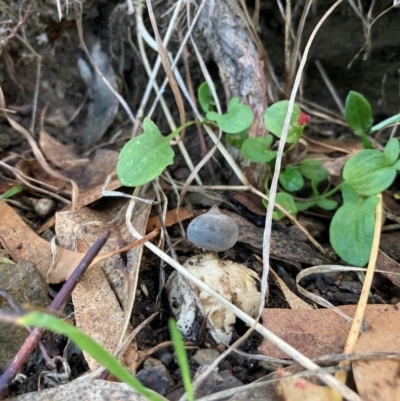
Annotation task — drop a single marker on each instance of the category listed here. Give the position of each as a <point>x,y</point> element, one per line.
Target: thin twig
<point>59,300</point>
<point>14,31</point>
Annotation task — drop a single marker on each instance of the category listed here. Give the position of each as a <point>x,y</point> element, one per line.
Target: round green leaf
<point>205,97</point>
<point>369,172</point>
<point>274,119</point>
<point>238,118</point>
<point>313,170</point>
<point>358,113</point>
<point>291,179</point>
<point>257,149</point>
<point>145,157</point>
<point>352,228</point>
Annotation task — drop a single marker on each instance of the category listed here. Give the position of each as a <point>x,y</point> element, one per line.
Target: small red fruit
<point>303,118</point>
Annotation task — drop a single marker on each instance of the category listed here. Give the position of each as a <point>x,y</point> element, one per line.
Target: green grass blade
<point>94,349</point>
<point>11,192</point>
<point>182,358</point>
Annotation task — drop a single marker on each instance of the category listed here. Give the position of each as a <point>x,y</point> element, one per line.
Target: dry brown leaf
<point>297,388</point>
<point>84,389</point>
<point>315,332</point>
<point>32,168</point>
<point>378,380</point>
<point>23,244</point>
<point>55,151</point>
<point>102,163</point>
<point>335,166</point>
<point>387,266</point>
<point>98,296</point>
<point>294,301</point>
<point>172,217</point>
<point>84,199</point>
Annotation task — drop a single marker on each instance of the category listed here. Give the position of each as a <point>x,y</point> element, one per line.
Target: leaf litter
<point>104,299</point>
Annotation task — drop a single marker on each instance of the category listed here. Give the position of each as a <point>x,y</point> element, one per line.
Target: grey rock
<point>155,376</point>
<point>25,285</point>
<point>206,356</point>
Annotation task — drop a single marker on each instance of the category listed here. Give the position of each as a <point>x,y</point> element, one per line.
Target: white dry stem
<point>142,33</point>
<point>278,342</point>
<point>274,183</point>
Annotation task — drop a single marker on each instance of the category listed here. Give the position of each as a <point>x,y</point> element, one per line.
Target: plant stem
<point>322,196</point>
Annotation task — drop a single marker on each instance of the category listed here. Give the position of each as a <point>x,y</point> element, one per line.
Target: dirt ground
<point>49,84</point>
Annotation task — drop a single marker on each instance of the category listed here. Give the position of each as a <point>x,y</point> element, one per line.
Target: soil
<point>69,101</point>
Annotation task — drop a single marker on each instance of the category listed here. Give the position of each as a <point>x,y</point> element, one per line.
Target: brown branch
<point>59,300</point>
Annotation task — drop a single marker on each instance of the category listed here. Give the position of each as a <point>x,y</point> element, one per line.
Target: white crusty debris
<point>235,282</point>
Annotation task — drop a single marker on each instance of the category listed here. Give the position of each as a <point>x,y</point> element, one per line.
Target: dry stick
<point>167,66</point>
<point>330,87</point>
<point>274,183</point>
<point>142,34</point>
<point>362,303</point>
<point>59,300</point>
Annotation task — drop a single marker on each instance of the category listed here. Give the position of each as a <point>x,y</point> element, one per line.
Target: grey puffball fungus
<point>214,231</point>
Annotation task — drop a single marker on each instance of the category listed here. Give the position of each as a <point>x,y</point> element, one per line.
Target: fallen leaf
<point>387,266</point>
<point>378,379</point>
<point>23,244</point>
<point>297,388</point>
<point>315,332</point>
<point>106,286</point>
<point>55,151</point>
<point>295,302</point>
<point>172,217</point>
<point>84,199</point>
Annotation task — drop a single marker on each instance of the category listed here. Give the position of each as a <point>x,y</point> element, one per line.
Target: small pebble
<point>45,207</point>
<point>213,231</point>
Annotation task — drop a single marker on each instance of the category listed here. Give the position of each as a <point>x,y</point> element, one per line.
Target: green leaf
<point>301,206</point>
<point>391,150</point>
<point>391,120</point>
<point>11,192</point>
<point>145,157</point>
<point>205,97</point>
<point>327,204</point>
<point>274,119</point>
<point>238,118</point>
<point>291,179</point>
<point>180,352</point>
<point>352,227</point>
<point>94,349</point>
<point>236,140</point>
<point>257,149</point>
<point>369,172</point>
<point>358,113</point>
<point>286,201</point>
<point>397,165</point>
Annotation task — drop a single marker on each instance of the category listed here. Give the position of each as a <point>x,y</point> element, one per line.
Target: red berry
<point>303,118</point>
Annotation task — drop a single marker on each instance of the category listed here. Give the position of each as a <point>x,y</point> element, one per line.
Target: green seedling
<point>274,119</point>
<point>180,353</point>
<point>366,174</point>
<point>11,192</point>
<point>87,344</point>
<point>358,114</point>
<point>205,97</point>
